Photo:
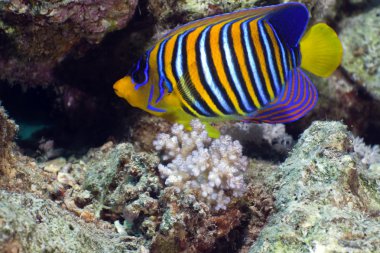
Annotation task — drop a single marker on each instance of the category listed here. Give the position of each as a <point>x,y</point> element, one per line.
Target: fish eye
<point>139,74</point>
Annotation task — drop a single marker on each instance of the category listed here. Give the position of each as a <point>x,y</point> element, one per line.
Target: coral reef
<point>368,154</point>
<point>169,13</point>
<point>362,46</point>
<point>263,140</point>
<point>213,169</point>
<point>116,192</point>
<point>117,176</point>
<point>17,172</point>
<point>188,225</point>
<point>195,194</point>
<point>145,130</point>
<point>8,131</point>
<point>30,224</point>
<point>37,35</point>
<point>204,207</point>
<point>322,202</point>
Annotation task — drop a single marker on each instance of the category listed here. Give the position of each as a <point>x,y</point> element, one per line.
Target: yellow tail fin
<point>321,50</point>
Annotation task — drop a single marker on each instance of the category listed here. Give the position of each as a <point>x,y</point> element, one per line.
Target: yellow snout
<point>121,87</point>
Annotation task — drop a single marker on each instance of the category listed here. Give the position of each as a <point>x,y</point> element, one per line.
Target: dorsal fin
<point>246,13</point>
<point>290,22</point>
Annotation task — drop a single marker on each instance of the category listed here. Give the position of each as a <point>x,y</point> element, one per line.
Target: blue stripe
<point>283,55</point>
<point>252,64</point>
<point>160,62</point>
<point>201,108</point>
<point>208,76</point>
<point>162,91</point>
<point>302,82</point>
<point>149,106</point>
<point>270,56</point>
<point>310,92</point>
<point>180,72</point>
<point>293,56</point>
<point>289,87</point>
<point>179,58</point>
<point>146,69</point>
<point>231,67</point>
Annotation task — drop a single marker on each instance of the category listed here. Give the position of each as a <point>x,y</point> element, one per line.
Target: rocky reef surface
<point>8,130</point>
<point>36,35</point>
<point>325,200</point>
<point>310,186</point>
<point>322,197</point>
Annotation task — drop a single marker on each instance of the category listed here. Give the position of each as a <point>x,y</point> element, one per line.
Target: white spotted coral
<point>212,167</point>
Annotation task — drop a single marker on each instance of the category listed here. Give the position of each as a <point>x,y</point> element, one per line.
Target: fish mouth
<point>118,93</point>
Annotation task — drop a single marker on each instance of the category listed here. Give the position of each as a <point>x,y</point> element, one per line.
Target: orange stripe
<point>243,66</point>
<point>220,68</point>
<point>260,55</point>
<point>304,107</point>
<point>276,51</point>
<point>287,109</point>
<point>283,98</point>
<point>168,57</point>
<point>288,102</point>
<point>224,18</point>
<point>183,101</point>
<point>295,113</point>
<point>193,69</point>
<point>153,66</point>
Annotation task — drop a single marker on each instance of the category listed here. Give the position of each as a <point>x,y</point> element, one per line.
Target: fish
<point>248,65</point>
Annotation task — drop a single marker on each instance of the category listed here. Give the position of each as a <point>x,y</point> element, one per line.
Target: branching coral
<point>213,168</point>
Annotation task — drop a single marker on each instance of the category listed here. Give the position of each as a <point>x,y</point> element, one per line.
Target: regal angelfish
<point>244,65</point>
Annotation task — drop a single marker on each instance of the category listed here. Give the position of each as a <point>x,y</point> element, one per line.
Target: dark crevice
<point>351,9</point>
<point>81,110</point>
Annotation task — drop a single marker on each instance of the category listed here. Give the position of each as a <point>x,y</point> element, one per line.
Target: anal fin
<point>298,98</point>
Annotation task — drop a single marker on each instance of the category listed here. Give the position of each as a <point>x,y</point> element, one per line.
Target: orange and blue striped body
<point>243,65</point>
<point>231,68</point>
